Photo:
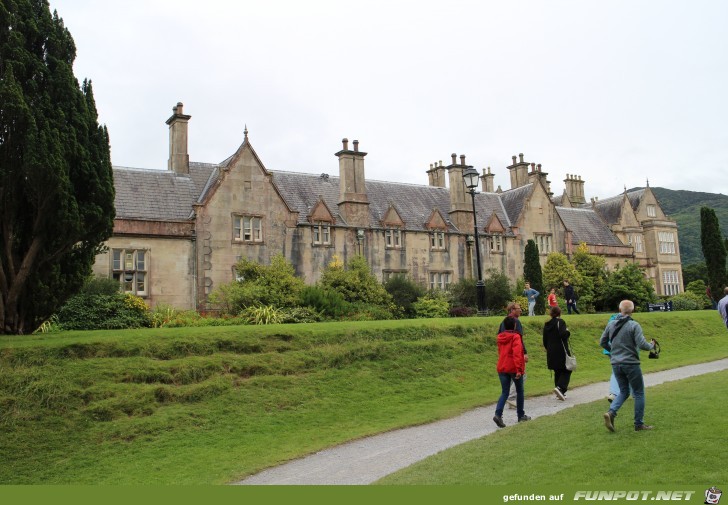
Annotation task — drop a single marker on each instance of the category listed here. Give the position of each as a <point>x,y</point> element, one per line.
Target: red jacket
<point>510,353</point>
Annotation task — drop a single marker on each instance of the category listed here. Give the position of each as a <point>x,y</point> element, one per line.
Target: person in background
<point>531,294</point>
<point>511,369</point>
<point>556,342</point>
<point>623,338</point>
<point>570,297</point>
<point>552,298</point>
<point>723,306</point>
<point>514,311</point>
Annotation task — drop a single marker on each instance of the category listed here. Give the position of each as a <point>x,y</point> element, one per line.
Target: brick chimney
<point>575,189</point>
<point>518,171</point>
<point>436,175</point>
<point>353,200</point>
<point>487,181</point>
<point>179,160</point>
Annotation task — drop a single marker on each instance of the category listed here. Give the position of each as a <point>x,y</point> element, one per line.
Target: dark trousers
<point>561,379</point>
<point>571,306</point>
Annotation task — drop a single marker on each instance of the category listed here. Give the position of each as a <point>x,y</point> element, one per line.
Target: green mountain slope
<point>684,207</point>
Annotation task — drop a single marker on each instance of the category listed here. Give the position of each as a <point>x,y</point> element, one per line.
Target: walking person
<point>514,311</point>
<point>511,369</point>
<point>723,307</point>
<point>556,342</point>
<point>551,299</point>
<point>570,297</point>
<point>530,294</point>
<point>623,338</point>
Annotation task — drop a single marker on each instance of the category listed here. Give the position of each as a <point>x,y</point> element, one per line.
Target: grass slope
<point>573,446</point>
<point>211,405</point>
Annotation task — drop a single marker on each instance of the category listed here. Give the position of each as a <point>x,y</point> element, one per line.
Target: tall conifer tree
<point>56,183</point>
<point>532,273</point>
<point>713,250</point>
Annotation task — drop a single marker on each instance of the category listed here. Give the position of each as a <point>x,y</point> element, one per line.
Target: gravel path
<point>369,459</point>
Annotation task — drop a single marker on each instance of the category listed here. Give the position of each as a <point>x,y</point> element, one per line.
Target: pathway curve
<point>368,459</point>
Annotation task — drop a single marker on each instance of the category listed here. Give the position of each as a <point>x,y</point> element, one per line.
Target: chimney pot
<point>454,158</point>
<point>539,167</point>
<point>520,155</point>
<point>488,169</point>
<point>430,166</point>
<point>514,159</point>
<point>462,159</point>
<point>356,145</point>
<point>533,167</point>
<point>440,162</point>
<point>345,142</point>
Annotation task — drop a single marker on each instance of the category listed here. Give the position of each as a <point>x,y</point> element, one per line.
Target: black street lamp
<point>471,177</point>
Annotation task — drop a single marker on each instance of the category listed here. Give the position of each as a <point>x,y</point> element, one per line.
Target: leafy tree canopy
<point>56,185</point>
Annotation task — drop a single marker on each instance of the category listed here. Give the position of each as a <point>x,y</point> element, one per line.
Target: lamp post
<point>471,177</point>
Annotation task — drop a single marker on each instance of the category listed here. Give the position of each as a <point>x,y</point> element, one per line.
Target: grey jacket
<point>624,347</point>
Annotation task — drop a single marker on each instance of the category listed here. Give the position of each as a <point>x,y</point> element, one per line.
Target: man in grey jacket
<point>623,338</point>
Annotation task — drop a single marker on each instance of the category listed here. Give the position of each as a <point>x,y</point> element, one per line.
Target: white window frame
<point>651,210</point>
<point>437,240</point>
<point>670,282</point>
<point>667,242</point>
<point>495,243</point>
<point>131,268</point>
<point>247,228</point>
<point>393,238</point>
<point>544,243</point>
<point>440,280</point>
<point>321,233</point>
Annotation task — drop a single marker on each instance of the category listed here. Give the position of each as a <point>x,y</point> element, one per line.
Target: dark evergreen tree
<point>56,183</point>
<point>532,273</point>
<point>713,250</point>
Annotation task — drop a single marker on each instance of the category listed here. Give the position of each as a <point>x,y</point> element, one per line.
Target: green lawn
<point>574,447</point>
<point>211,405</point>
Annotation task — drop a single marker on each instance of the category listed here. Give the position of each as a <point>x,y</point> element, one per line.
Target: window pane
<point>247,230</point>
<point>140,260</point>
<point>117,259</point>
<point>129,261</point>
<point>317,234</point>
<point>327,234</point>
<point>129,282</point>
<point>237,227</point>
<point>140,283</point>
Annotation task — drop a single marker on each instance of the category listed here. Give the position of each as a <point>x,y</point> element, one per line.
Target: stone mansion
<point>179,232</point>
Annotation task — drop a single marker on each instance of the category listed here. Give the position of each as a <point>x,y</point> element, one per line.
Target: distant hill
<point>684,207</point>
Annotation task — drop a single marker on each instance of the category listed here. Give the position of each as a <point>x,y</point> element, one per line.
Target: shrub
<point>462,311</point>
<point>104,312</point>
<point>688,301</point>
<point>463,294</point>
<point>101,286</point>
<point>261,315</point>
<point>404,292</point>
<point>628,282</point>
<point>497,290</point>
<point>433,304</point>
<point>370,312</point>
<point>355,282</point>
<point>300,315</point>
<point>328,302</point>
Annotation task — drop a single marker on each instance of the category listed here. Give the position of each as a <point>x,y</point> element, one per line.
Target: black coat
<point>555,334</point>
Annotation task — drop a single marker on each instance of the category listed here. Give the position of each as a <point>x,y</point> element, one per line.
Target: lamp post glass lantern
<point>471,177</point>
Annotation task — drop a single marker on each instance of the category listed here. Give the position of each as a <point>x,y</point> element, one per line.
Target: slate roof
<point>635,197</point>
<point>610,208</point>
<point>158,194</point>
<point>163,195</point>
<point>587,226</point>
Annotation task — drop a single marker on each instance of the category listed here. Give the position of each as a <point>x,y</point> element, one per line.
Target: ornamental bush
<point>433,304</point>
<point>688,301</point>
<point>104,312</point>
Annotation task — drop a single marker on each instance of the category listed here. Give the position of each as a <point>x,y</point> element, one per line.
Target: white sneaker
<point>610,397</point>
<point>561,396</point>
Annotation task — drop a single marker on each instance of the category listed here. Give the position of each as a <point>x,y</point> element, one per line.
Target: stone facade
<point>179,232</point>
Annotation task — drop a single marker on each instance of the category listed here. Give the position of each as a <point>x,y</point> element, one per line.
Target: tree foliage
<point>628,282</point>
<point>355,282</point>
<point>56,183</point>
<point>592,277</point>
<point>557,268</point>
<point>532,273</point>
<point>404,292</point>
<point>713,250</point>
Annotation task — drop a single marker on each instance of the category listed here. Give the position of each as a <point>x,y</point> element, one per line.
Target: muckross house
<point>179,232</point>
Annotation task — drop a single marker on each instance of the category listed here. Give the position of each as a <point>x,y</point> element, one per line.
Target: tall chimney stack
<point>179,160</point>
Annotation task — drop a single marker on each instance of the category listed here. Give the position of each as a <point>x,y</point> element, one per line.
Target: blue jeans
<point>531,307</point>
<point>614,386</point>
<point>630,376</point>
<point>505,380</point>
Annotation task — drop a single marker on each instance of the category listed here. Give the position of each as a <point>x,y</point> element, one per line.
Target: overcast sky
<point>614,91</point>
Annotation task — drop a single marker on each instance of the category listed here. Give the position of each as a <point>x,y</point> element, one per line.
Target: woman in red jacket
<point>511,367</point>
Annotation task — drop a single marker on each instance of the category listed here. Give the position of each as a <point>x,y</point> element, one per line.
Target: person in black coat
<point>556,341</point>
<point>570,297</point>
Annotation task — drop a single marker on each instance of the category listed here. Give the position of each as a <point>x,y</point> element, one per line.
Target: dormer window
<point>393,238</point>
<point>437,240</point>
<point>495,243</point>
<point>321,233</point>
<point>651,210</point>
